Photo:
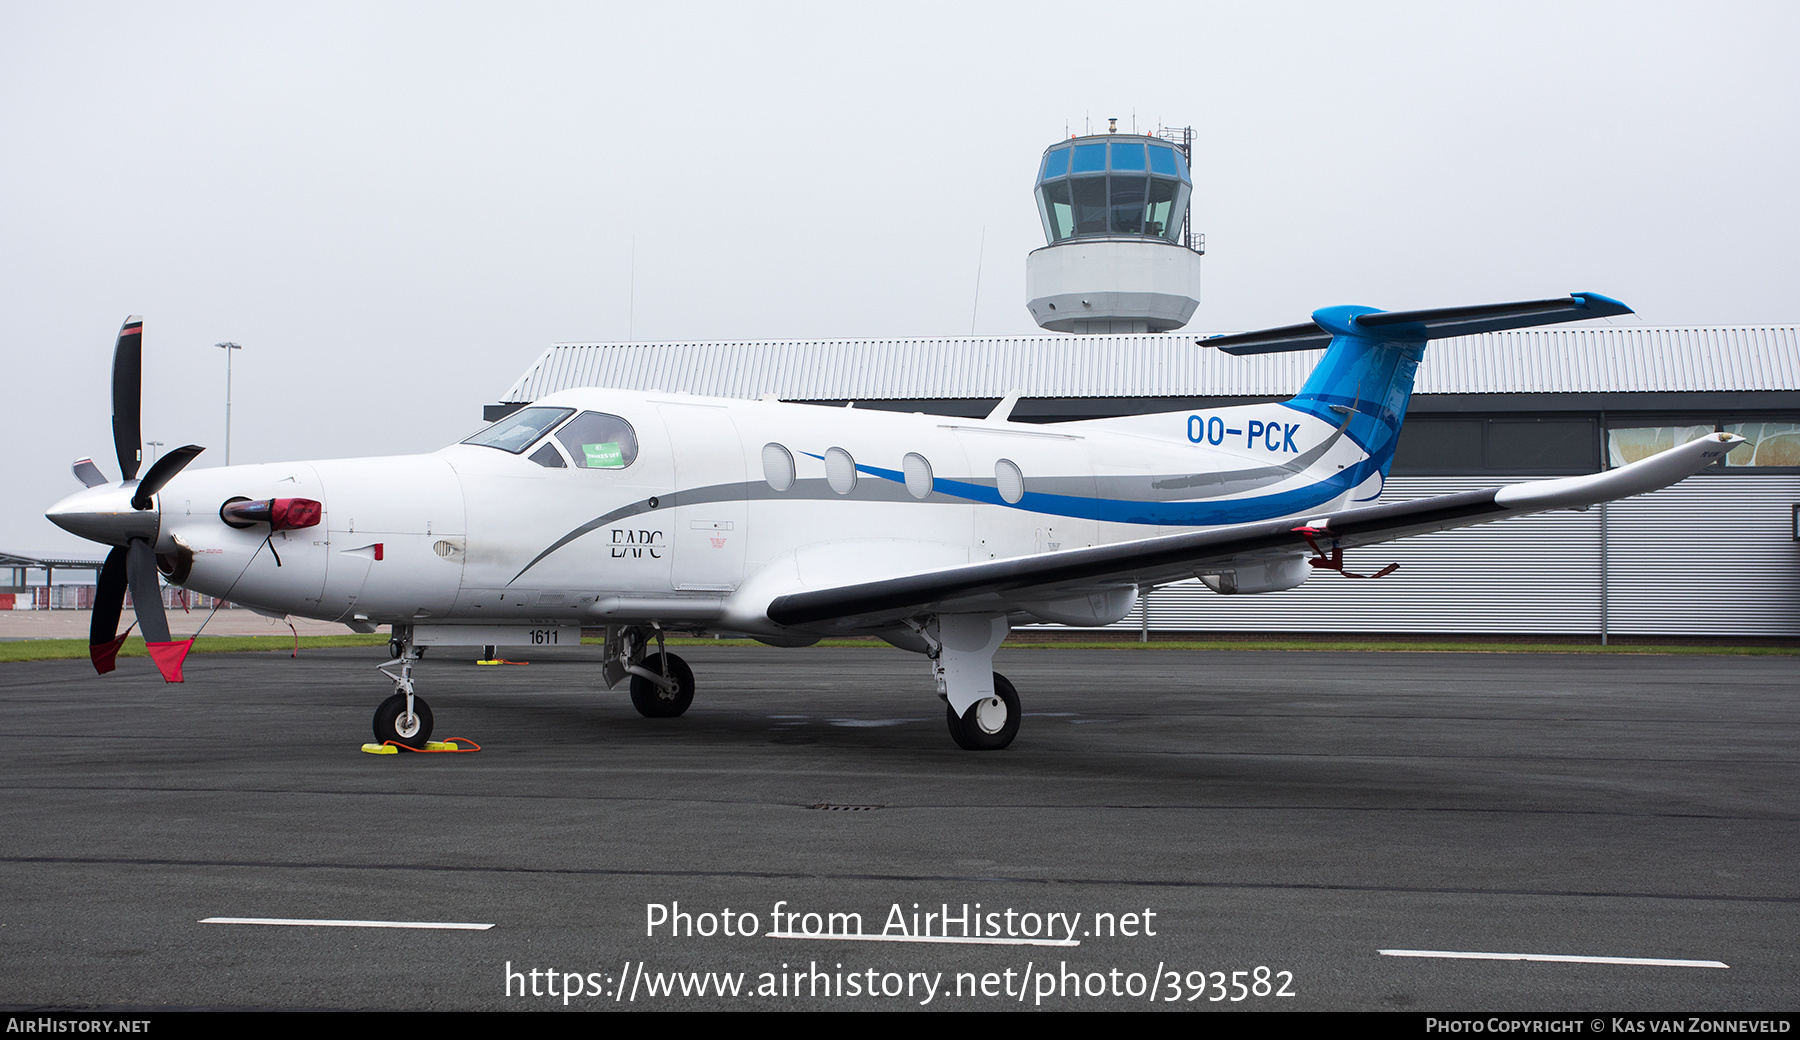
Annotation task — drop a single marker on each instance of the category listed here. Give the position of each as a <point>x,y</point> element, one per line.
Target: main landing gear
<point>403,718</point>
<point>990,723</point>
<point>981,706</point>
<point>662,685</point>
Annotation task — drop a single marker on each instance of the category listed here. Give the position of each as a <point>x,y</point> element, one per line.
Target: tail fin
<point>1365,378</point>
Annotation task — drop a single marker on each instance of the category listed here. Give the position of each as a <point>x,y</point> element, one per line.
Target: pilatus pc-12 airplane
<point>642,512</point>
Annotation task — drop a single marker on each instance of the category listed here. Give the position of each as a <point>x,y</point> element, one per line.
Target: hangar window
<point>1516,447</point>
<point>596,440</point>
<point>521,429</point>
<point>1625,445</point>
<point>1768,445</point>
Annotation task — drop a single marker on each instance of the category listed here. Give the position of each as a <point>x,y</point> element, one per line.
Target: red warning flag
<point>168,657</point>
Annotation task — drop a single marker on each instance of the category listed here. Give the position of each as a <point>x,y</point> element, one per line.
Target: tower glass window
<point>1125,185</point>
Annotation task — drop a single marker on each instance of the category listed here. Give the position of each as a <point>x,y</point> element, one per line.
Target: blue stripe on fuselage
<point>1162,514</point>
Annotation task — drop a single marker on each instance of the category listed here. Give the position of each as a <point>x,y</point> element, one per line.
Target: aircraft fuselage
<point>728,503</point>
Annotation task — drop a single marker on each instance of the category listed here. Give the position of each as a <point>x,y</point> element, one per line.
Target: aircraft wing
<point>997,585</point>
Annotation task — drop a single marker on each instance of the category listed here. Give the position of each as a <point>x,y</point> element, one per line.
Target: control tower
<point>1121,257</point>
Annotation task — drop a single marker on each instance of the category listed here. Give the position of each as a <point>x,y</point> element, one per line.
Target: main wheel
<point>990,723</point>
<point>393,723</point>
<point>654,702</point>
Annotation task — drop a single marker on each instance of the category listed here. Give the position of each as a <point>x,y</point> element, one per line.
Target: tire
<point>983,727</point>
<point>388,726</point>
<point>651,701</point>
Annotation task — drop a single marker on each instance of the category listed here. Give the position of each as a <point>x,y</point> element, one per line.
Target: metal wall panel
<point>1581,360</point>
<point>1712,554</point>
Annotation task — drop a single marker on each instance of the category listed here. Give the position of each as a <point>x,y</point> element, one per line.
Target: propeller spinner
<point>125,516</point>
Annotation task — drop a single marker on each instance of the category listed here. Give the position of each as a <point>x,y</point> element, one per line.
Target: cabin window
<point>1009,481</point>
<point>840,471</point>
<point>778,466</point>
<point>918,474</point>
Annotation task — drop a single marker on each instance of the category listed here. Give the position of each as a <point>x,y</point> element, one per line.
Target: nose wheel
<point>990,723</point>
<point>393,722</point>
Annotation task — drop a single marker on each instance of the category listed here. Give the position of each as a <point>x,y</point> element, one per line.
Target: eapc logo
<point>628,544</point>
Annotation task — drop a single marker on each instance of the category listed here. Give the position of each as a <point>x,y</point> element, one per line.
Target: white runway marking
<point>453,925</point>
<point>1567,958</point>
<point>971,941</point>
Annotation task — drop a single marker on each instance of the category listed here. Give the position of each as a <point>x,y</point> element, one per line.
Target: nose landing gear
<point>403,718</point>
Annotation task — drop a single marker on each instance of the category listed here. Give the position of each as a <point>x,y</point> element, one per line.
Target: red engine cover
<point>289,514</point>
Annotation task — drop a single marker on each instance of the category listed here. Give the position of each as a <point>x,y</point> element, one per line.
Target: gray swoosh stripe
<point>814,488</point>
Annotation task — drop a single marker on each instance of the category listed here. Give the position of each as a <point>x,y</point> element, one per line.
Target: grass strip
<point>77,649</point>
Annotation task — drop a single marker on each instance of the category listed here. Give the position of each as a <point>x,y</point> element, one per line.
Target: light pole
<point>153,446</point>
<point>228,348</point>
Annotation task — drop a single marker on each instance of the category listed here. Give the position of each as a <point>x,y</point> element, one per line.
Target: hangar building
<point>1717,555</point>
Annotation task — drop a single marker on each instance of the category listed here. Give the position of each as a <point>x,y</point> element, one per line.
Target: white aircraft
<point>642,512</point>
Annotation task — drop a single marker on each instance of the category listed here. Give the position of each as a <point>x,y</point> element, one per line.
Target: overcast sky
<point>395,207</point>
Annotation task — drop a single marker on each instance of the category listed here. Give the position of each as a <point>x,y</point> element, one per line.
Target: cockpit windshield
<point>521,429</point>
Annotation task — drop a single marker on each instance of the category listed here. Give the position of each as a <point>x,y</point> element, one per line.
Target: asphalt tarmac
<point>1211,830</point>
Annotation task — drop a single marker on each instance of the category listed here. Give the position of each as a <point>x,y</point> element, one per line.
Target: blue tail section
<point>1365,377</point>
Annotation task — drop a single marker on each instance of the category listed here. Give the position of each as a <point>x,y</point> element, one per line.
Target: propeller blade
<point>109,601</point>
<point>88,473</point>
<point>165,468</point>
<point>146,597</point>
<point>146,591</point>
<point>128,396</point>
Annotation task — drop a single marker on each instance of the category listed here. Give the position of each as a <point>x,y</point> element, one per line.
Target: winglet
<point>1657,471</point>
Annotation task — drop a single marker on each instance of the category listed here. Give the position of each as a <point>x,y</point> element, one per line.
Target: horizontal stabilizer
<point>1417,326</point>
<point>1272,341</point>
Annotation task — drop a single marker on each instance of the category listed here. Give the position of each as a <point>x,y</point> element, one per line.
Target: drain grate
<point>844,808</point>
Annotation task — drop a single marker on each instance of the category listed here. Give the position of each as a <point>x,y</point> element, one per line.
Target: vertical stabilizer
<point>1365,377</point>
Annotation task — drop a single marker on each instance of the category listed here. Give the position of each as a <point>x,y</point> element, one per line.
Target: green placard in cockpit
<point>604,456</point>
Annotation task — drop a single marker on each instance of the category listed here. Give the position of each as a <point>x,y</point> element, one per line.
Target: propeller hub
<point>105,515</point>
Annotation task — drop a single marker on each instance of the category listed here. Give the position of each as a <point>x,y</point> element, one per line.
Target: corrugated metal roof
<point>1599,359</point>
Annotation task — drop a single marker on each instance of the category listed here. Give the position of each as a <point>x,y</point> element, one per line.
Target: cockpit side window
<point>519,430</point>
<point>596,440</point>
<point>548,457</point>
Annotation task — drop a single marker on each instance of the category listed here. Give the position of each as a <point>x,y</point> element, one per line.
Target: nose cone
<point>104,514</point>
